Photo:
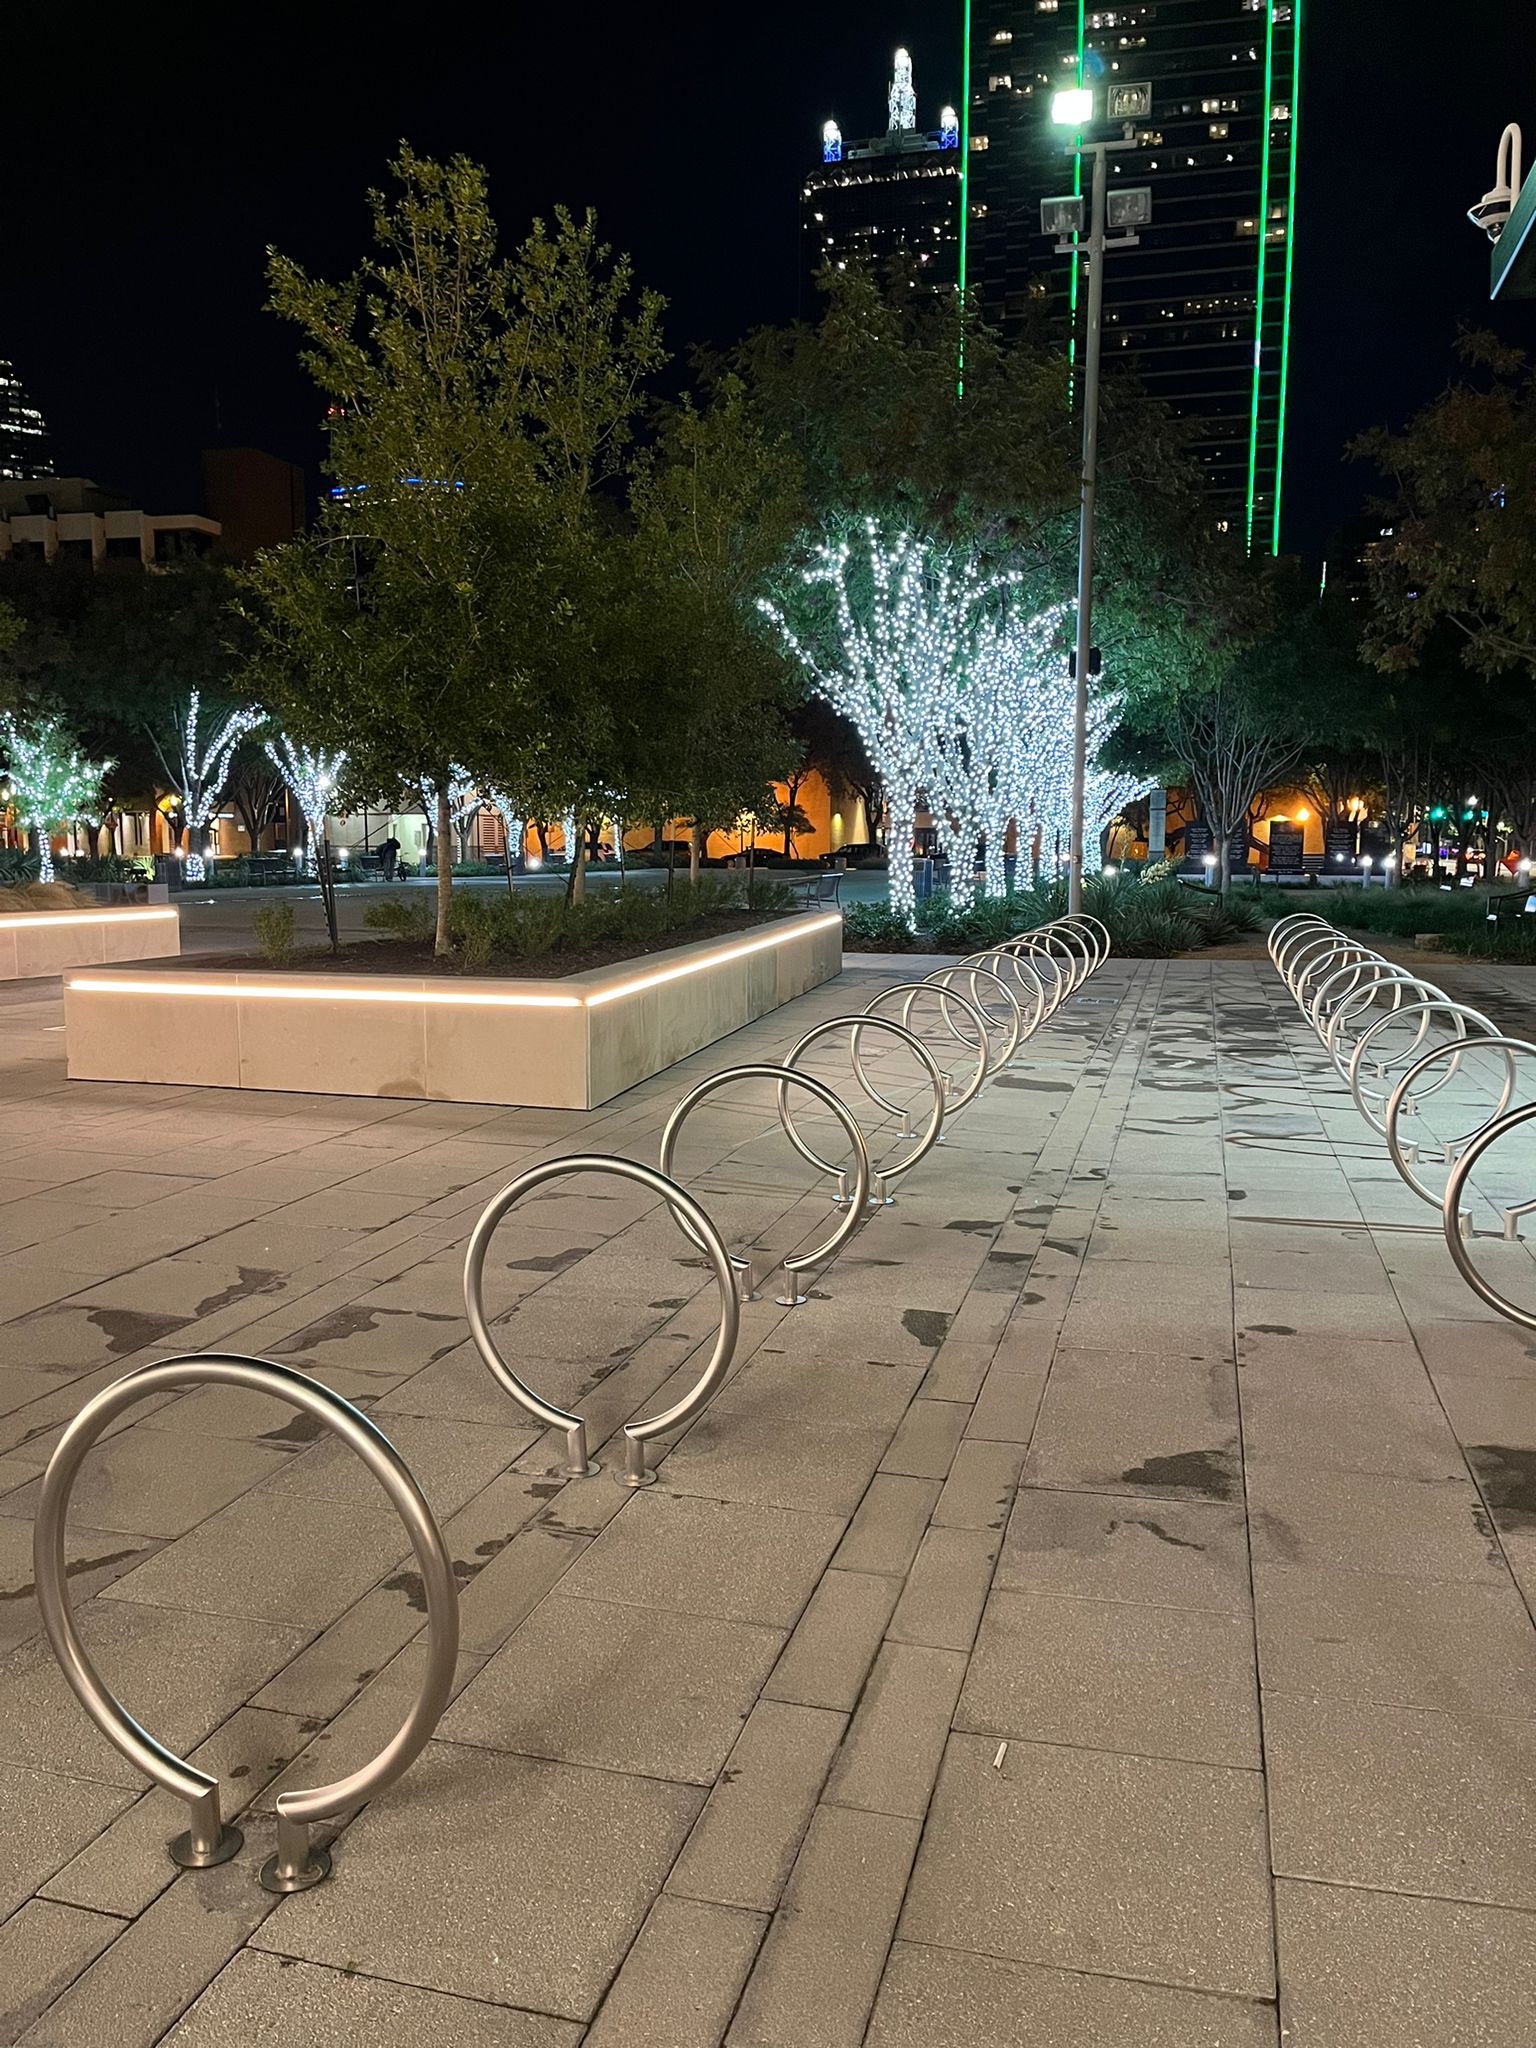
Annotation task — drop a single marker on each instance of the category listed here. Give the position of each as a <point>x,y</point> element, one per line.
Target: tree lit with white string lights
<point>48,782</point>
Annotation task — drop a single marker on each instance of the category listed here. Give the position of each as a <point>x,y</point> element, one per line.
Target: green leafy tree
<point>1458,547</point>
<point>48,782</point>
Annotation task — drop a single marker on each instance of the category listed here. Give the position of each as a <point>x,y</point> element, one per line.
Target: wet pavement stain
<point>1165,1535</point>
<point>1210,1473</point>
<point>253,1280</point>
<point>929,1326</point>
<point>77,1570</point>
<point>1507,1475</point>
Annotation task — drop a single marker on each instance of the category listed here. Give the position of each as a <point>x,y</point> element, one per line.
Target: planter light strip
<point>28,920</point>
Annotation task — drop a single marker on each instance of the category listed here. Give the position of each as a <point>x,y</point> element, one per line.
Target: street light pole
<point>1085,528</point>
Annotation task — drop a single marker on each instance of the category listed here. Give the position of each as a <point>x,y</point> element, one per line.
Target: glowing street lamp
<point>1072,107</point>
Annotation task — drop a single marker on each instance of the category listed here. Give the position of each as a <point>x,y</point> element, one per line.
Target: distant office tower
<point>1201,308</point>
<point>889,195</point>
<point>256,499</point>
<point>23,437</point>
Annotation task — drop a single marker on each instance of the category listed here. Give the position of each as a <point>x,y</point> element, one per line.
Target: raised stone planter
<point>563,1043</point>
<point>54,941</point>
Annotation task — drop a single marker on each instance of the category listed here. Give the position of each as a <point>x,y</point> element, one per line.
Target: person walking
<point>391,852</point>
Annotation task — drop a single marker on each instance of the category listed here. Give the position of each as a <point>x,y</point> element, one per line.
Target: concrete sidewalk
<point>1098,1619</point>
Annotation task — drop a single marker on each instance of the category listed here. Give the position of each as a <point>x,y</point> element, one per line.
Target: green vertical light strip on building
<point>965,187</point>
<point>1077,189</point>
<point>1290,252</point>
<point>1263,226</point>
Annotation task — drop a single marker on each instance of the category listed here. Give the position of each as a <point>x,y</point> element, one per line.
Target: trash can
<point>922,877</point>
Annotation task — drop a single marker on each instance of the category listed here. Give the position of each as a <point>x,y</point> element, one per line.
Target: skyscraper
<point>889,195</point>
<point>23,437</point>
<point>1201,307</point>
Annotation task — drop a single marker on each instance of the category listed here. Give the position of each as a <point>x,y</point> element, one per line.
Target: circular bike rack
<point>927,1138</point>
<point>694,1223</point>
<point>1424,1007</point>
<point>1452,1216</point>
<point>847,1224</point>
<point>1406,1157</point>
<point>208,1840</point>
<point>911,993</point>
<point>1012,1024</point>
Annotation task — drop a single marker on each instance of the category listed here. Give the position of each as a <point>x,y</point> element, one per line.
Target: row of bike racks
<point>1356,1000</point>
<point>988,1005</point>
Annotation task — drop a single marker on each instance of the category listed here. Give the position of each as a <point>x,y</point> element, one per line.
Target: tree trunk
<point>695,852</point>
<point>1223,865</point>
<point>441,944</point>
<point>579,869</point>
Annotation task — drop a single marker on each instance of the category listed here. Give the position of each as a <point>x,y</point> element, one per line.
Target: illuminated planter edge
<point>38,942</point>
<point>566,1043</point>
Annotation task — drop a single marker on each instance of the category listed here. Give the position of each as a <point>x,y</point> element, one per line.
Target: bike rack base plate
<point>182,1854</point>
<point>318,1870</point>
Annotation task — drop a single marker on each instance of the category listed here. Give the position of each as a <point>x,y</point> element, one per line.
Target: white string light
<point>202,777</point>
<point>312,776</point>
<point>50,784</point>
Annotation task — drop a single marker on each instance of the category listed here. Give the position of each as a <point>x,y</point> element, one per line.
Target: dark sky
<point>150,160</point>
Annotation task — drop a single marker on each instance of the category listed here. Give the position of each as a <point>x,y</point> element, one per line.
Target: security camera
<point>1493,209</point>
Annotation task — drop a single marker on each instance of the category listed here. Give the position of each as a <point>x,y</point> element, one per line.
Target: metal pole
<point>1085,531</point>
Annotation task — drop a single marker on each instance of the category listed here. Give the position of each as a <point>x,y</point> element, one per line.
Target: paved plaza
<point>1097,1619</point>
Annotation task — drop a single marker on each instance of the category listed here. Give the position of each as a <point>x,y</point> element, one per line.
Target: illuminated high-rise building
<point>891,195</point>
<point>23,437</point>
<point>1201,306</point>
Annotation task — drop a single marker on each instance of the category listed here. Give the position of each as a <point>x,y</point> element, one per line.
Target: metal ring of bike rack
<point>1451,1216</point>
<point>938,980</point>
<point>1375,973</point>
<point>1096,931</point>
<point>821,1254</point>
<point>1405,1159</point>
<point>1038,947</point>
<point>1015,1030</point>
<point>1312,958</point>
<point>208,1840</point>
<point>1363,958</point>
<point>1338,1039</point>
<point>912,990</point>
<point>1291,929</point>
<point>695,1224</point>
<point>1281,930</point>
<point>926,1139</point>
<point>1034,987</point>
<point>1426,1007</point>
<point>1084,956</point>
<point>1305,942</point>
<point>1408,991</point>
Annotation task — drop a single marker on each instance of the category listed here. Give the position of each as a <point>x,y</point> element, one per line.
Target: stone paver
<point>1099,1616</point>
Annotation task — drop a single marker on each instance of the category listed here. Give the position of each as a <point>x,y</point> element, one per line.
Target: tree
<point>255,787</point>
<point>198,768</point>
<point>399,632</point>
<point>716,507</point>
<point>50,783</point>
<point>1458,543</point>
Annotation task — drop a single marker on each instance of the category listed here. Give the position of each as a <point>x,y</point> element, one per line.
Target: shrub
<point>273,926</point>
<point>403,917</point>
<point>875,928</point>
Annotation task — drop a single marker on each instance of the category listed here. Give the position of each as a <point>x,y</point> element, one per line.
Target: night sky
<point>152,157</point>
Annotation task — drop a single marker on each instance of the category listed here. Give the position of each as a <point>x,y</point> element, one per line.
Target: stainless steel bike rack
<point>912,993</point>
<point>1013,1018</point>
<point>1015,970</point>
<point>1424,1007</point>
<point>695,1225</point>
<point>208,1840</point>
<point>1406,1157</point>
<point>793,1264</point>
<point>886,1172</point>
<point>1452,1215</point>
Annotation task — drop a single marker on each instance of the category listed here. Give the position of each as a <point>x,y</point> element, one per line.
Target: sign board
<point>1197,844</point>
<point>1512,265</point>
<point>1340,846</point>
<point>1287,843</point>
<point>1237,852</point>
